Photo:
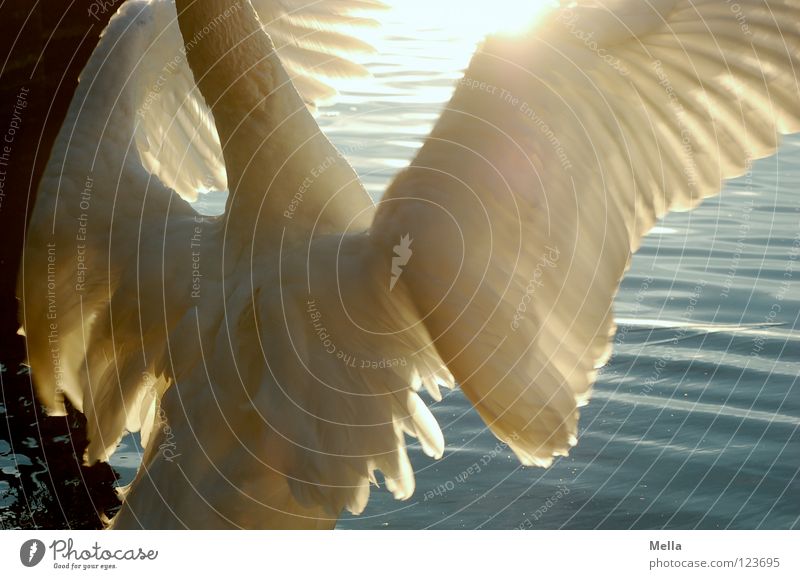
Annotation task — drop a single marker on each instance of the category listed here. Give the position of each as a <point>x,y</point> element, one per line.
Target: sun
<point>513,16</point>
<point>474,19</point>
<point>434,40</point>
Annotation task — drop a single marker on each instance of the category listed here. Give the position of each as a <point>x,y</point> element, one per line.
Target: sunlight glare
<point>513,16</point>
<point>475,19</point>
<point>430,43</point>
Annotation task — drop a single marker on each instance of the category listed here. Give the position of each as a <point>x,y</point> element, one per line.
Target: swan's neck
<point>270,141</point>
<point>224,42</point>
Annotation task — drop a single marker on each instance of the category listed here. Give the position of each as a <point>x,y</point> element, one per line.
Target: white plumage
<point>275,379</point>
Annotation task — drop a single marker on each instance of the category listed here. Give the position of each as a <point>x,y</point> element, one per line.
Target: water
<point>694,421</point>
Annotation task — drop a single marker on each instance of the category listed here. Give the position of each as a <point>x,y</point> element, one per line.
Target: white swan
<point>272,357</point>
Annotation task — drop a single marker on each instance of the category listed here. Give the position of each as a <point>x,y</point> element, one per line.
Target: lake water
<point>693,423</point>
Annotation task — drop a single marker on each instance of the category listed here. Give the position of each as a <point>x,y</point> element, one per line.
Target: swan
<point>274,358</point>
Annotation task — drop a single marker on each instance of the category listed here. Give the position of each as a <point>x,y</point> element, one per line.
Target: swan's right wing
<point>560,149</point>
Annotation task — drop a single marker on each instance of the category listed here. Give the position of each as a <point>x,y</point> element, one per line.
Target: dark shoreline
<point>43,483</point>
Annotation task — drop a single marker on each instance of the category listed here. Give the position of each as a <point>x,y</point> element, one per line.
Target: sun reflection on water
<point>438,37</point>
<point>473,20</point>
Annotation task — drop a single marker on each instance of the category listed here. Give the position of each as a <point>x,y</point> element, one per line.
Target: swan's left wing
<point>558,152</point>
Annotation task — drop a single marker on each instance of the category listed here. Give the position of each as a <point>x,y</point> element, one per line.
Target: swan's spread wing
<point>175,135</point>
<point>103,241</point>
<point>174,131</point>
<point>557,153</point>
